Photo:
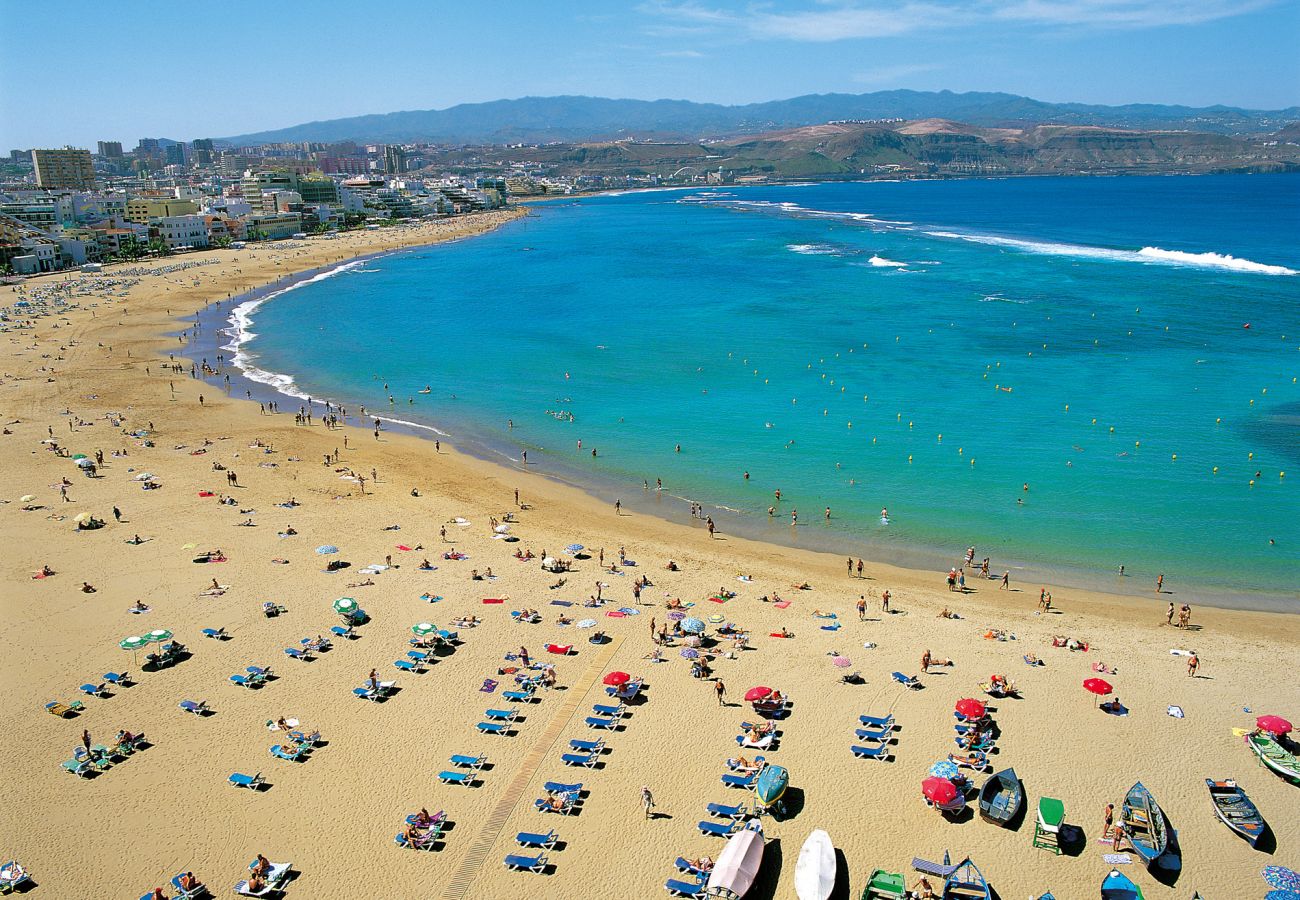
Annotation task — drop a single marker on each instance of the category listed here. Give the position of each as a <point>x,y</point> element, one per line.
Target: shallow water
<point>929,347</point>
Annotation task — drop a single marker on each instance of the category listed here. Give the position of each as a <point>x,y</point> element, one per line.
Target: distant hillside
<point>542,119</point>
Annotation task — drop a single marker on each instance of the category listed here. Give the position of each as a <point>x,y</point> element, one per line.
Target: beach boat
<point>966,883</point>
<point>1235,810</point>
<point>814,872</point>
<point>1274,756</point>
<point>884,885</point>
<point>1001,797</point>
<point>737,866</point>
<point>1144,824</point>
<point>1118,886</point>
<point>770,786</point>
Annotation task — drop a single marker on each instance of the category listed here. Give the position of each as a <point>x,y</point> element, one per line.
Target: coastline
<point>382,759</point>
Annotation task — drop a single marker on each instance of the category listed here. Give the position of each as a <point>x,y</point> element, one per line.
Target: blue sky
<point>121,71</point>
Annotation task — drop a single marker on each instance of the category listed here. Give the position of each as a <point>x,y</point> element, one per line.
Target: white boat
<point>814,873</point>
<point>737,866</point>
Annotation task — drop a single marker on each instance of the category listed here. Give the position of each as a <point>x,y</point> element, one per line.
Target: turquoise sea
<point>931,347</point>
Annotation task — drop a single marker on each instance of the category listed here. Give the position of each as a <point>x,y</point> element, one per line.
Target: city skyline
<point>1193,52</point>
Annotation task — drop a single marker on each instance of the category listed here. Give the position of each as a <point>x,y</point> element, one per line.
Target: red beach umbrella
<point>1098,686</point>
<point>1274,724</point>
<point>757,693</point>
<point>971,709</point>
<point>617,679</point>
<point>938,790</point>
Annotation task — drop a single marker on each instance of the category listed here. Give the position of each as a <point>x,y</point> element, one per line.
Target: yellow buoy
<point>1067,407</point>
<point>959,452</point>
<point>1250,456</point>
<point>941,438</point>
<point>972,460</point>
<point>1218,420</point>
<point>1175,456</point>
<point>909,424</point>
<point>1216,470</point>
<point>909,459</point>
<point>1112,429</point>
<point>1252,482</point>
<point>1137,443</point>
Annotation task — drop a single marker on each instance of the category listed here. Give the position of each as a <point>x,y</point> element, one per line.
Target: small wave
<point>1214,260</point>
<point>998,298</point>
<point>882,262</point>
<point>813,249</point>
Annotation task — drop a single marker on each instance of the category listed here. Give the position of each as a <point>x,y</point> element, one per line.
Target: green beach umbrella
<point>344,605</point>
<point>158,635</point>
<point>77,456</point>
<point>133,643</point>
<point>422,629</point>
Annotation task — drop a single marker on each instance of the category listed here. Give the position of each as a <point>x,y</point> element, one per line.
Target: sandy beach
<point>91,378</point>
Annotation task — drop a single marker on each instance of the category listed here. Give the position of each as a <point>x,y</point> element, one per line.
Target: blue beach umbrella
<point>1283,878</point>
<point>587,623</point>
<point>944,768</point>
<point>690,653</point>
<point>693,625</point>
<point>676,616</point>
<point>1282,895</point>
<point>325,549</point>
<point>575,548</point>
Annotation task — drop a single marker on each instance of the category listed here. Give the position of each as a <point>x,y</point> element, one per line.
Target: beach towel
<point>782,604</point>
<point>629,611</point>
<point>494,599</point>
<point>718,599</point>
<point>835,627</point>
<point>488,686</point>
<point>1175,711</point>
<point>616,614</point>
<point>431,598</point>
<point>1240,732</point>
<point>777,634</point>
<point>206,494</point>
<point>402,547</point>
<point>1117,859</point>
<point>561,603</point>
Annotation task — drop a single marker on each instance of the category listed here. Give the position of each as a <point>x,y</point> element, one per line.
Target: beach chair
<point>63,710</point>
<point>740,781</point>
<point>676,888</point>
<point>542,841</point>
<point>218,634</point>
<point>597,722</point>
<point>722,811</point>
<point>422,842</point>
<point>905,681</point>
<point>684,865</point>
<point>94,690</point>
<point>198,890</point>
<point>78,767</point>
<point>886,721</point>
<point>559,787</point>
<point>307,740</point>
<point>587,746</point>
<point>580,759</point>
<point>366,693</point>
<point>517,863</point>
<point>710,828</point>
<point>340,631</point>
<point>12,876</point>
<point>938,870</point>
<point>117,679</point>
<point>880,751</point>
<point>1047,824</point>
<point>518,696</point>
<point>468,762</point>
<point>420,656</point>
<point>245,681</point>
<point>500,715</point>
<point>501,728</point>
<point>565,808</point>
<point>240,780</point>
<point>295,653</point>
<point>407,666</point>
<point>274,879</point>
<point>868,735</point>
<point>614,712</point>
<point>463,778</point>
<point>294,754</point>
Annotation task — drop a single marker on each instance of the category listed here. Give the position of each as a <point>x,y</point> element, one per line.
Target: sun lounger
<point>684,865</point>
<point>294,754</point>
<point>559,787</point>
<point>566,808</point>
<point>239,779</point>
<point>676,888</point>
<point>867,735</point>
<point>939,870</point>
<point>12,876</point>
<point>579,759</point>
<point>407,666</point>
<point>615,712</point>
<point>198,890</point>
<point>422,842</point>
<point>93,690</point>
<point>246,681</point>
<point>215,633</point>
<point>274,879</point>
<point>877,721</point>
<point>587,746</point>
<point>78,766</point>
<point>340,631</point>
<point>912,682</point>
<point>366,693</point>
<point>722,811</point>
<point>740,781</point>
<point>516,863</point>
<point>465,778</point>
<point>502,728</point>
<point>880,751</point>
<point>117,678</point>
<point>468,762</point>
<point>295,653</point>
<point>718,829</point>
<point>597,722</point>
<point>64,709</point>
<point>531,839</point>
<point>518,696</point>
<point>500,715</point>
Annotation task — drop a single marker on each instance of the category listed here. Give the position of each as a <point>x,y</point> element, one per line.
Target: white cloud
<point>682,54</point>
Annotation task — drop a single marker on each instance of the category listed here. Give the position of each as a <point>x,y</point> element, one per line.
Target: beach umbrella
<point>757,693</point>
<point>158,635</point>
<point>717,618</point>
<point>81,517</point>
<point>676,615</point>
<point>939,791</point>
<point>326,549</point>
<point>1282,878</point>
<point>423,629</point>
<point>1098,686</point>
<point>970,709</point>
<point>617,679</point>
<point>1282,895</point>
<point>85,463</point>
<point>26,498</point>
<point>77,456</point>
<point>944,768</point>
<point>502,529</point>
<point>344,605</point>
<point>841,662</point>
<point>133,643</point>
<point>586,623</point>
<point>690,653</point>
<point>143,476</point>
<point>693,641</point>
<point>548,562</point>
<point>693,625</point>
<point>1274,724</point>
<point>575,548</point>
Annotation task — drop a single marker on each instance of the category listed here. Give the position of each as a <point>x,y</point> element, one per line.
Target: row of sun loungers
<point>877,733</point>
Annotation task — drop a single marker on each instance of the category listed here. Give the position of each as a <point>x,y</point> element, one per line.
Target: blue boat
<point>966,882</point>
<point>770,786</point>
<point>1144,824</point>
<point>1118,886</point>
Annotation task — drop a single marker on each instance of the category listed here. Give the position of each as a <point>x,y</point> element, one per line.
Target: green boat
<point>885,886</point>
<point>770,787</point>
<point>1274,756</point>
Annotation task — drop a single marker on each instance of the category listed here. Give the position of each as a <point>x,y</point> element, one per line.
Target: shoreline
<point>921,561</point>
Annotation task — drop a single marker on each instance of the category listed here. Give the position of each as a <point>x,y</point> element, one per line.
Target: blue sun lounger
<point>465,778</point>
<point>905,681</point>
<point>559,787</point>
<point>407,666</point>
<point>502,728</point>
<point>886,721</point>
<point>239,779</point>
<point>295,653</point>
<point>424,842</point>
<point>717,829</point>
<point>295,755</point>
<point>182,894</point>
<point>880,751</point>
<point>614,712</point>
<point>245,681</point>
<point>340,631</point>
<point>516,863</point>
<point>580,759</point>
<point>684,865</point>
<point>740,781</point>
<point>93,690</point>
<point>78,767</point>
<point>500,715</point>
<point>215,633</point>
<point>532,839</point>
<point>365,693</point>
<point>568,806</point>
<point>597,722</point>
<point>191,706</point>
<point>727,812</point>
<point>466,761</point>
<point>587,746</point>
<point>518,696</point>
<point>419,657</point>
<point>866,735</point>
<point>117,678</point>
<point>676,888</point>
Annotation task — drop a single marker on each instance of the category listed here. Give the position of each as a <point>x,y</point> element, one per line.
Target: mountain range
<point>577,118</point>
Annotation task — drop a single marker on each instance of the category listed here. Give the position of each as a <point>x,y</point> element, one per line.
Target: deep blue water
<point>822,338</point>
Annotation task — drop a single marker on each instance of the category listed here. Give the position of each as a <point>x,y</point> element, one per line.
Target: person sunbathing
<point>554,803</point>
<point>188,882</point>
<point>703,864</point>
<point>260,867</point>
<point>674,603</point>
<point>562,619</point>
<point>1032,659</point>
<point>672,566</point>
<point>1113,705</point>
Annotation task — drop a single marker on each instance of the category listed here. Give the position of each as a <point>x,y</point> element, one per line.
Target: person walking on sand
<point>647,801</point>
<point>1160,583</point>
<point>1169,614</point>
<point>1108,820</point>
<point>117,514</point>
<point>925,662</point>
<point>721,690</point>
<point>1193,663</point>
<point>859,568</point>
<point>618,507</point>
<point>85,738</point>
<point>850,565</point>
<point>884,600</point>
<point>1006,581</point>
<point>862,607</point>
